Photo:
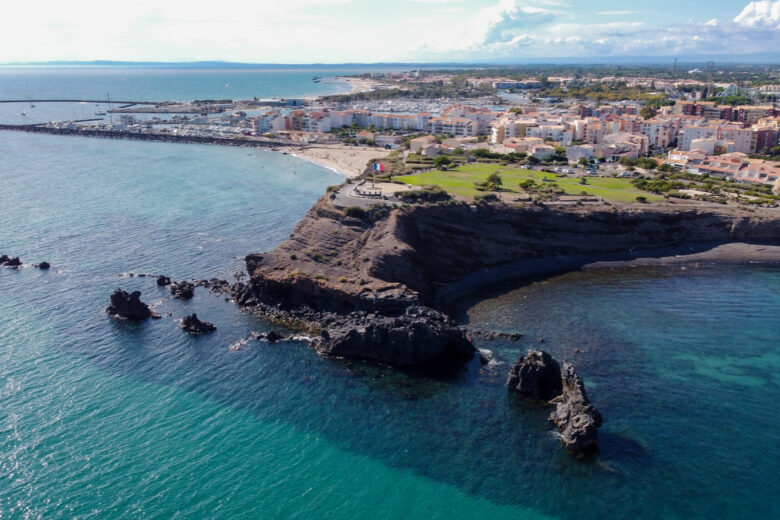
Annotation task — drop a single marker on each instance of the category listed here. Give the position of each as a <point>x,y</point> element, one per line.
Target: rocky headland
<point>377,284</point>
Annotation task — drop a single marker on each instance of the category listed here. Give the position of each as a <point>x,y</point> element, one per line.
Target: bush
<point>641,198</point>
<point>486,197</point>
<point>333,188</point>
<point>355,212</point>
<point>429,193</point>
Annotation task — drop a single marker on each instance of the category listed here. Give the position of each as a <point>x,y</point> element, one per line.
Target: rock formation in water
<point>7,261</point>
<point>128,306</point>
<point>43,265</point>
<point>575,417</point>
<point>540,376</point>
<point>270,337</point>
<point>536,375</point>
<point>194,326</point>
<point>163,281</point>
<point>182,290</point>
<point>418,336</point>
<point>382,261</point>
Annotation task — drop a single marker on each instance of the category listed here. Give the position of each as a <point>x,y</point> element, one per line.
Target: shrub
<point>429,193</point>
<point>486,197</point>
<point>355,212</point>
<point>333,188</point>
<point>641,198</point>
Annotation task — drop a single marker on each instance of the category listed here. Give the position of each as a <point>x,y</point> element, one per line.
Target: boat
<point>32,105</point>
<point>24,113</point>
<point>99,113</point>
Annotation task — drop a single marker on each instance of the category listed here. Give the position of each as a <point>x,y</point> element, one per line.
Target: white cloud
<point>620,13</point>
<point>516,29</point>
<point>760,14</point>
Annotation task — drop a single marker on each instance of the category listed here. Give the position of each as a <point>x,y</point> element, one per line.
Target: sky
<point>371,31</point>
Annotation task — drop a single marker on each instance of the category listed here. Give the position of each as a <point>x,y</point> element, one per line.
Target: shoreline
<point>687,255</point>
<point>708,255</point>
<point>349,161</point>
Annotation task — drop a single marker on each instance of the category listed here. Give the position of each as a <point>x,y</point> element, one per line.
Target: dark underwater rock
<point>163,281</point>
<point>271,337</point>
<point>536,375</point>
<point>182,290</point>
<point>128,306</point>
<point>195,326</point>
<point>575,417</point>
<point>43,265</point>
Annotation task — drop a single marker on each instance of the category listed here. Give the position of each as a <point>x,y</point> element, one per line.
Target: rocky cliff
<point>387,260</point>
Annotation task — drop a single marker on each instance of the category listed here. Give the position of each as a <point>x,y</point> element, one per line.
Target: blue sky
<point>338,31</point>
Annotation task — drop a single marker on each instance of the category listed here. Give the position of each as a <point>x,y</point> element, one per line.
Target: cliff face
<point>431,254</point>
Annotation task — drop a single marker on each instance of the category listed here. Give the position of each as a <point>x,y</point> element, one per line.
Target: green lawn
<point>460,181</point>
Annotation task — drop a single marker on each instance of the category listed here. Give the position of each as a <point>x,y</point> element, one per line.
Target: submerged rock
<point>417,337</point>
<point>536,375</point>
<point>128,306</point>
<point>182,290</point>
<point>194,326</point>
<point>271,337</point>
<point>163,281</point>
<point>575,417</point>
<point>43,265</point>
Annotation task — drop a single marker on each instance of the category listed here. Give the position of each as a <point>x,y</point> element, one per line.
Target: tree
<point>647,112</point>
<point>494,179</point>
<point>583,161</point>
<point>458,151</point>
<point>442,162</point>
<point>516,110</point>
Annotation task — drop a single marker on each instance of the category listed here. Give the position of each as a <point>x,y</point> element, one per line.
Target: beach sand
<point>346,160</point>
<point>360,84</point>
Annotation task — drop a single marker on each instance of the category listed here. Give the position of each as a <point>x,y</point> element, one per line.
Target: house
<point>392,142</point>
<point>364,136</point>
<point>418,143</point>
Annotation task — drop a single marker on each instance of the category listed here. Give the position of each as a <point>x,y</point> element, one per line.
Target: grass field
<point>460,181</point>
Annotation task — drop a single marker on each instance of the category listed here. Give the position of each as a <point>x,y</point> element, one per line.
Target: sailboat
<point>24,113</point>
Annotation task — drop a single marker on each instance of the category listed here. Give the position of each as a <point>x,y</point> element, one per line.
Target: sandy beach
<point>360,84</point>
<point>347,160</point>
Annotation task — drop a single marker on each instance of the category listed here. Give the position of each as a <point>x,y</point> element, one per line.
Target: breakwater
<point>165,138</point>
<point>80,101</point>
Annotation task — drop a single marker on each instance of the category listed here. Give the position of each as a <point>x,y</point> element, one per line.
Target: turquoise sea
<point>100,419</point>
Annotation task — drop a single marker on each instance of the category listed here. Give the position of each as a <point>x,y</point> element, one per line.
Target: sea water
<point>103,419</point>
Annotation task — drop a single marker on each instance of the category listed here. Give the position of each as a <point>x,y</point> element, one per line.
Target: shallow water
<point>101,419</point>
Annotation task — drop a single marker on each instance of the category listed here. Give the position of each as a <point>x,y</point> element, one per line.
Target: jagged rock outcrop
<point>43,265</point>
<point>194,326</point>
<point>182,290</point>
<point>419,336</point>
<point>7,261</point>
<point>575,417</point>
<point>536,375</point>
<point>163,281</point>
<point>128,306</point>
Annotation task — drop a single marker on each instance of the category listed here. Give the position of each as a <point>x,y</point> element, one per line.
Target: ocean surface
<point>102,419</point>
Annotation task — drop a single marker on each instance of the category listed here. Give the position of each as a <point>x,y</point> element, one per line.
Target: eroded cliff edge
<point>378,283</point>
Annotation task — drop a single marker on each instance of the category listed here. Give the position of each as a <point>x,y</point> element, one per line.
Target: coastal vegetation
<point>467,181</point>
